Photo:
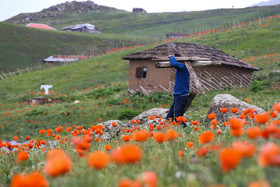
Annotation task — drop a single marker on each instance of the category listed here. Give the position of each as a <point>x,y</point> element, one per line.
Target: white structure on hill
<point>89,28</point>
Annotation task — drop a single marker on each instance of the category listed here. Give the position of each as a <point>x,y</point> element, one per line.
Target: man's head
<point>177,55</point>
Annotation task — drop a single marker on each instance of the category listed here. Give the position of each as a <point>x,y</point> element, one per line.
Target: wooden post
<point>4,75</point>
<point>191,97</point>
<point>194,79</point>
<point>19,71</point>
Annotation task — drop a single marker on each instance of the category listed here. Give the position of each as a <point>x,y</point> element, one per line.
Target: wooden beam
<point>167,64</point>
<point>183,59</point>
<point>206,63</point>
<point>191,98</point>
<point>194,79</point>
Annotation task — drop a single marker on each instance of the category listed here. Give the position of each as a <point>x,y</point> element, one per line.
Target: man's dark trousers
<point>178,106</point>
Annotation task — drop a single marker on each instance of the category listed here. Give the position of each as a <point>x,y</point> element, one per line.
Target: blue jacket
<point>182,77</point>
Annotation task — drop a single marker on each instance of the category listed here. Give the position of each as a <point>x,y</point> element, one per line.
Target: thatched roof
<point>189,50</point>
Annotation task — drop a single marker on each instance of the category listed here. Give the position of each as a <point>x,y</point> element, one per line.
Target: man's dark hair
<point>177,55</point>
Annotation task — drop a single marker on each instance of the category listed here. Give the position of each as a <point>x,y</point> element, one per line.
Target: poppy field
<point>61,144</point>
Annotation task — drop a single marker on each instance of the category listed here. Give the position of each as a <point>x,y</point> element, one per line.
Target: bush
<point>259,85</point>
<point>127,114</point>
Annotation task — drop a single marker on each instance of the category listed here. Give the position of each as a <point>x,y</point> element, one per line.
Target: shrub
<point>259,85</point>
<point>127,114</point>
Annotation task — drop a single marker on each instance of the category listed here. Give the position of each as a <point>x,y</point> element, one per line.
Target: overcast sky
<point>10,8</point>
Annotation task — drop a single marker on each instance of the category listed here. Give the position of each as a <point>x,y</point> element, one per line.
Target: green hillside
<point>158,24</point>
<point>21,46</point>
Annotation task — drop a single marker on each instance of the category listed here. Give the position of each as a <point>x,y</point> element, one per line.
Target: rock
<point>42,100</point>
<point>110,131</point>
<point>229,101</point>
<point>144,117</point>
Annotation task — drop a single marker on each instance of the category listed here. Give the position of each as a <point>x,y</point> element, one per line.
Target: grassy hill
<point>158,24</point>
<point>21,46</point>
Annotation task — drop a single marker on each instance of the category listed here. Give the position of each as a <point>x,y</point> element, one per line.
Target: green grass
<point>21,46</point>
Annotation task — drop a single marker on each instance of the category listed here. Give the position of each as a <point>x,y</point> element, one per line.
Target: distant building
<point>64,58</point>
<point>139,10</point>
<point>172,35</point>
<point>40,26</point>
<point>88,28</point>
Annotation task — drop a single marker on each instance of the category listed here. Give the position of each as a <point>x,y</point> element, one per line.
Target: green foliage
<point>259,85</point>
<point>127,114</point>
<point>36,112</point>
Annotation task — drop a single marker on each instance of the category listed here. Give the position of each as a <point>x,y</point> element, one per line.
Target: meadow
<point>243,151</point>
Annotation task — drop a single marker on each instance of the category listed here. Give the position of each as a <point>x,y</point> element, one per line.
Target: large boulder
<point>145,117</point>
<point>229,101</point>
<point>110,131</point>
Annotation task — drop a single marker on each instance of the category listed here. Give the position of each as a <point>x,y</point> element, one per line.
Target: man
<point>181,89</point>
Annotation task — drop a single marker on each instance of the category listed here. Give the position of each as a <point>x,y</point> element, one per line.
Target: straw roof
<point>189,50</point>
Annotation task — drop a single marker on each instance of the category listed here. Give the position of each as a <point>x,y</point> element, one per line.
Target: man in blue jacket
<point>181,89</point>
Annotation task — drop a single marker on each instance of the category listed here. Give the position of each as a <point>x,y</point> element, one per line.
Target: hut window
<point>141,72</point>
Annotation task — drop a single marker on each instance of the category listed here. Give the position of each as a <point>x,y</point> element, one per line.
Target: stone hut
<point>88,28</point>
<point>212,69</point>
<point>139,10</point>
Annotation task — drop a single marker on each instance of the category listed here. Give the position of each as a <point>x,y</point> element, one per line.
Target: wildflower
<point>59,129</point>
<point>140,136</point>
<point>269,155</point>
<point>151,117</point>
<point>22,156</point>
<point>15,138</point>
<point>262,183</point>
<point>82,147</point>
<point>160,137</point>
<point>276,107</point>
<point>42,131</point>
<point>129,153</point>
<point>189,144</point>
<point>171,134</point>
<point>126,138</point>
<point>253,132</point>
<point>212,116</point>
<point>234,110</point>
<point>236,132</point>
<point>114,124</point>
<point>224,110</point>
<point>33,179</point>
<point>180,154</point>
<point>236,123</point>
<point>201,151</point>
<point>219,131</point>
<point>214,122</point>
<point>107,147</point>
<point>262,118</point>
<point>98,159</point>
<point>68,129</point>
<point>229,158</point>
<point>125,182</point>
<point>195,122</point>
<point>206,137</point>
<point>246,148</point>
<point>149,178</point>
<point>57,163</point>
